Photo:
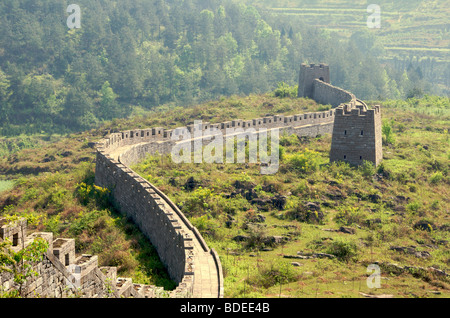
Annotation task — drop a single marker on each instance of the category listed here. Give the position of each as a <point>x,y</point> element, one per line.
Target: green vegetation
<point>68,204</point>
<point>355,214</point>
<point>6,185</point>
<point>413,38</point>
<point>136,64</point>
<point>21,263</point>
<point>132,56</point>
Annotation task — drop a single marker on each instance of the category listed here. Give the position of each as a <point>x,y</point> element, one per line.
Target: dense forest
<point>133,55</point>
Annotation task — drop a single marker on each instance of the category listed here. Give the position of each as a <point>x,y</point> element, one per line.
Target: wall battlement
<point>179,244</point>
<point>129,147</point>
<point>356,130</point>
<point>62,274</point>
<point>356,136</point>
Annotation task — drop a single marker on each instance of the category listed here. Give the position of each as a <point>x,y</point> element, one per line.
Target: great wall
<point>356,136</point>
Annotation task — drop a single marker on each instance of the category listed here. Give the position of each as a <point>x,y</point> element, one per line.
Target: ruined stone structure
<point>61,274</point>
<point>190,262</point>
<point>357,129</point>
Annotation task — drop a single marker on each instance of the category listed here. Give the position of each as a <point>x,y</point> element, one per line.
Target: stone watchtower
<point>357,134</point>
<point>356,130</point>
<point>308,73</point>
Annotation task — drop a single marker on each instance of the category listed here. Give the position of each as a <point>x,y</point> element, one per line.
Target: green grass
<point>416,167</point>
<point>6,185</point>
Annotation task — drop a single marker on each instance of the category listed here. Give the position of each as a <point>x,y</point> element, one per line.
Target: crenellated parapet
<point>356,136</point>
<point>63,274</point>
<point>356,129</point>
<point>179,244</point>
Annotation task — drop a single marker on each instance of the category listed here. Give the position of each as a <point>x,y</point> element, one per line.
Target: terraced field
<point>418,28</point>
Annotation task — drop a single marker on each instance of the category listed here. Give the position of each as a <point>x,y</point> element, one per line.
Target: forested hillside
<point>412,33</point>
<point>132,55</point>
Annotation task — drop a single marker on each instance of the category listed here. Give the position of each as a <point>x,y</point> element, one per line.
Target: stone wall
<point>156,216</point>
<point>308,73</point>
<point>137,198</point>
<point>325,93</point>
<point>356,130</point>
<point>61,274</point>
<point>159,218</point>
<point>79,277</point>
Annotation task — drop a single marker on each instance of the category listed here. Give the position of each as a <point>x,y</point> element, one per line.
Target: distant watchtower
<point>308,73</point>
<point>357,134</point>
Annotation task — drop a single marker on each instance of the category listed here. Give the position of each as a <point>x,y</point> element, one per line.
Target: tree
<point>109,107</point>
<point>78,109</point>
<point>5,93</point>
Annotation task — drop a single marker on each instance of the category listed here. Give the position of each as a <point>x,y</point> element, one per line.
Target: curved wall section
<point>180,246</point>
<point>136,198</point>
<point>325,93</point>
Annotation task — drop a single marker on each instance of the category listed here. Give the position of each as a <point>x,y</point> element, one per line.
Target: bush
<point>387,138</point>
<point>289,140</point>
<point>284,90</point>
<point>198,202</point>
<point>87,193</point>
<point>305,162</point>
<point>413,206</point>
<point>436,177</point>
<point>275,274</point>
<point>343,249</point>
<point>367,169</point>
<point>349,216</point>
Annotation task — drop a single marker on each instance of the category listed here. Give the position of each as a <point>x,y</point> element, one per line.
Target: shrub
<point>21,264</point>
<point>367,169</point>
<point>348,216</point>
<point>198,202</point>
<point>272,275</point>
<point>304,162</point>
<point>87,193</point>
<point>284,90</point>
<point>340,169</point>
<point>436,177</point>
<point>204,223</point>
<point>257,235</point>
<point>289,140</point>
<point>387,138</point>
<point>413,206</point>
<point>343,249</point>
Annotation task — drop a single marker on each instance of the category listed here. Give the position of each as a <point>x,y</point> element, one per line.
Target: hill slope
<point>353,217</point>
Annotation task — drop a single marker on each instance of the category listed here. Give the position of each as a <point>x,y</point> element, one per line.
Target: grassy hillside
<point>256,222</point>
<point>266,227</point>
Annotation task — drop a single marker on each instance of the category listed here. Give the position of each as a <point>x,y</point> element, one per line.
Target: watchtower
<point>14,231</point>
<point>308,73</point>
<point>357,134</point>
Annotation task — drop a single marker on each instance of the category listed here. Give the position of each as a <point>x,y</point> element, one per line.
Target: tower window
<point>345,157</point>
<point>15,239</point>
<point>360,157</point>
<point>362,132</point>
<point>345,132</point>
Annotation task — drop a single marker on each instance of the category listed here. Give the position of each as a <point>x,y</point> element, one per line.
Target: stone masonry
<point>357,129</point>
<point>62,274</point>
<point>356,136</point>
